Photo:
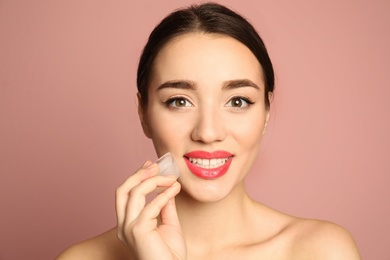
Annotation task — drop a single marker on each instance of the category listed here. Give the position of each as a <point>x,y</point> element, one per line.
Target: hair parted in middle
<point>209,18</point>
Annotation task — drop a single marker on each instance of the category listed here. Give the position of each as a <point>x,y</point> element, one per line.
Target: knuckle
<point>118,191</point>
<point>129,232</point>
<point>121,189</point>
<point>136,231</point>
<point>136,191</point>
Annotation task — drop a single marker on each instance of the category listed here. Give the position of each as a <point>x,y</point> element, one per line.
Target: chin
<point>204,198</point>
<point>205,191</point>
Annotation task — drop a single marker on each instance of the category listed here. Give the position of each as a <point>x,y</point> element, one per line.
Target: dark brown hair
<point>208,18</point>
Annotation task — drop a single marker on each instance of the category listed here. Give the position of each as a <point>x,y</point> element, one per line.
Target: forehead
<point>206,58</point>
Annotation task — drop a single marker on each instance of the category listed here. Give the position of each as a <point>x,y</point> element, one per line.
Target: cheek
<point>248,130</point>
<point>167,131</point>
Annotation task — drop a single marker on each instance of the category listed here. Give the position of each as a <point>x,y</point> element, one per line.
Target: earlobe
<point>267,113</point>
<point>270,96</point>
<point>142,116</point>
<point>266,122</point>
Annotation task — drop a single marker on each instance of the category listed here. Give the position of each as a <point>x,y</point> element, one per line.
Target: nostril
<point>209,126</point>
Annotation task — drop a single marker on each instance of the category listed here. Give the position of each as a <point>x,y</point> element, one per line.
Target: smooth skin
<point>207,93</point>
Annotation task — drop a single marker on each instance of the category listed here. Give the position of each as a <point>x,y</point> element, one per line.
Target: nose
<point>209,126</point>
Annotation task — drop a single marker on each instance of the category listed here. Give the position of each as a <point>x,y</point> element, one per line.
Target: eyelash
<point>169,102</point>
<point>246,100</point>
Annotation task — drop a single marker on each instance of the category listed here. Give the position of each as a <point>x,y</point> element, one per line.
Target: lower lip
<point>208,174</point>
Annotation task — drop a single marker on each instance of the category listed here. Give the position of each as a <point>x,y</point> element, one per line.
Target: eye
<point>178,102</point>
<point>239,102</point>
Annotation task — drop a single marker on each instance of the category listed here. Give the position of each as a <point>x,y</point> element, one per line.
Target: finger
<point>137,199</point>
<point>122,192</point>
<point>169,214</point>
<point>153,209</point>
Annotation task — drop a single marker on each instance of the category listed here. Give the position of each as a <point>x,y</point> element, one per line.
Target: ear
<point>266,121</point>
<point>267,112</point>
<point>142,116</point>
<point>270,96</point>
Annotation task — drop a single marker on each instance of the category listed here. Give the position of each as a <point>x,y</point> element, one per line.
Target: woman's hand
<point>138,225</point>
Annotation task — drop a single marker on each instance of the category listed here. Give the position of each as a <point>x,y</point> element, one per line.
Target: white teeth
<point>208,164</point>
<point>213,162</point>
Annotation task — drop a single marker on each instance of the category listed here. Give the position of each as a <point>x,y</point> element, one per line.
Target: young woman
<point>205,82</point>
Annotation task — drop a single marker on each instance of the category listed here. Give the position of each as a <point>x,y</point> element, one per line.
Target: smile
<point>208,165</point>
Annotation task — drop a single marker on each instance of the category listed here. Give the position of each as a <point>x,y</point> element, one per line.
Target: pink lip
<point>208,173</point>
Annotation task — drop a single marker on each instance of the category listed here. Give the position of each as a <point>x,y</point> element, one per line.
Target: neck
<point>216,224</point>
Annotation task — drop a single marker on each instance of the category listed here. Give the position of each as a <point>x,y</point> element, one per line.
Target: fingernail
<point>146,164</point>
<point>151,165</point>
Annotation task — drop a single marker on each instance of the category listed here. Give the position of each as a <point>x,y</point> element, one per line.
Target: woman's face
<point>206,106</point>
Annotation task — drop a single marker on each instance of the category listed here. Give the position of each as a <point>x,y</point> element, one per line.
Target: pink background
<point>69,132</point>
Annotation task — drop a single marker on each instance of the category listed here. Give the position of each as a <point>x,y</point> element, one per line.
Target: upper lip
<point>208,155</point>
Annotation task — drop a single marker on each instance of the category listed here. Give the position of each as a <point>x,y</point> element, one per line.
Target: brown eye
<point>178,102</point>
<point>236,102</point>
<point>239,102</point>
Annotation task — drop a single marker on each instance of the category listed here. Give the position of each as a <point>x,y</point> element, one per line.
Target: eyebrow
<point>239,83</point>
<point>191,85</point>
<point>178,84</point>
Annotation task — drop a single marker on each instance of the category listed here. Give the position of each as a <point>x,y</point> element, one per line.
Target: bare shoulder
<point>315,239</point>
<point>104,246</point>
